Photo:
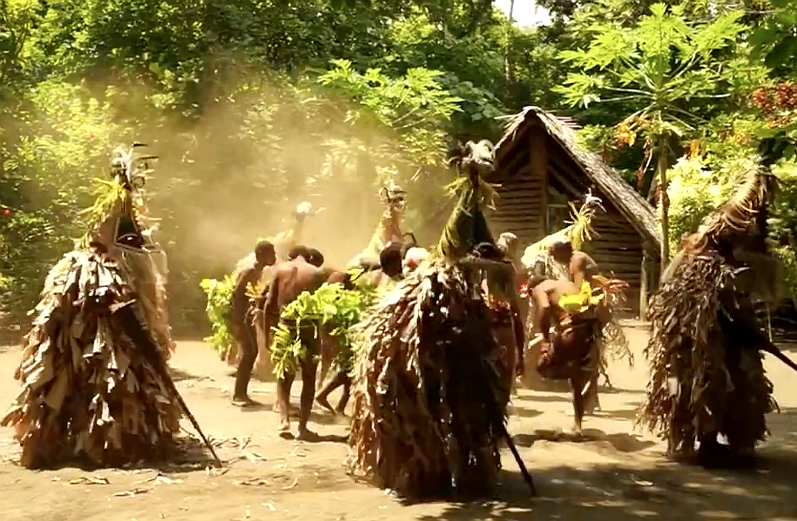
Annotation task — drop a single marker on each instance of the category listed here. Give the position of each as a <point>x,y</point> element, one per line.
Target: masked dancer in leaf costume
<point>388,229</point>
<point>431,382</point>
<point>387,232</point>
<point>707,376</point>
<point>93,370</point>
<point>287,240</point>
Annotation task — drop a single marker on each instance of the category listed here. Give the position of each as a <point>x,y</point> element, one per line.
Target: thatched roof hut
<point>541,169</point>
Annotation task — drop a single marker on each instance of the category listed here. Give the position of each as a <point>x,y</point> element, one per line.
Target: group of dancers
<point>439,348</point>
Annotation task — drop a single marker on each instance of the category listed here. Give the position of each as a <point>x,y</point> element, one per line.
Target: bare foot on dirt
<point>293,409</point>
<point>324,402</point>
<point>285,431</point>
<point>308,435</point>
<point>243,401</point>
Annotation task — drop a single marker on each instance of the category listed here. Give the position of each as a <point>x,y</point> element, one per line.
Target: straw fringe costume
<point>92,362</point>
<point>388,229</point>
<point>430,390</point>
<point>707,376</point>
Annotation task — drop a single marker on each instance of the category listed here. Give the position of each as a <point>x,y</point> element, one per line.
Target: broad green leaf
<point>783,52</point>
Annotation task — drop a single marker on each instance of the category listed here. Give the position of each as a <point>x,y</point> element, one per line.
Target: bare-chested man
<point>580,266</point>
<point>566,350</point>
<point>242,328</point>
<point>288,280</point>
<point>507,243</point>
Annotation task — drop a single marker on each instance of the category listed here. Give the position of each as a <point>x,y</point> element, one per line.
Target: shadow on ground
<point>180,375</point>
<point>621,442</point>
<point>189,454</point>
<point>661,490</point>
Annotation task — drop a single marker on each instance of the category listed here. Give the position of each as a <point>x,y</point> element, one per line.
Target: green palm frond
<point>578,232</point>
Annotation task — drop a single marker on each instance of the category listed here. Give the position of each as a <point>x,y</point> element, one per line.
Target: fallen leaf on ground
<point>641,482</point>
<point>295,482</point>
<point>90,480</point>
<point>251,456</point>
<point>164,480</point>
<point>134,492</point>
<point>216,472</point>
<point>269,506</point>
<point>252,482</point>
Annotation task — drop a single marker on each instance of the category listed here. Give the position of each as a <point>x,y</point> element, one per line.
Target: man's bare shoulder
<point>245,275</point>
<point>334,276</point>
<point>285,267</point>
<point>583,258</point>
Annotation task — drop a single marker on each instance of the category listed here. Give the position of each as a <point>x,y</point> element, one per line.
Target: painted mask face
<point>122,229</point>
<point>478,157</point>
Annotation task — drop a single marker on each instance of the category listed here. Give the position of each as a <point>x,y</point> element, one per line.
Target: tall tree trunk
<point>664,201</point>
<point>509,76</point>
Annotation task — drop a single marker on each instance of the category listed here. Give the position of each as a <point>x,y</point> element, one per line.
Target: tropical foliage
<point>254,106</point>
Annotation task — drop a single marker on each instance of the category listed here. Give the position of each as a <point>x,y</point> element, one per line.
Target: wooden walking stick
<point>132,327</point>
<point>167,379</point>
<point>498,422</point>
<point>772,349</point>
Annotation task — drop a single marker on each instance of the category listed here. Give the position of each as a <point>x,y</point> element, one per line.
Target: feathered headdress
<point>119,212</point>
<point>121,230</point>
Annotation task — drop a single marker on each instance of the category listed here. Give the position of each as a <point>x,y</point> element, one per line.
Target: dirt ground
<point>615,473</point>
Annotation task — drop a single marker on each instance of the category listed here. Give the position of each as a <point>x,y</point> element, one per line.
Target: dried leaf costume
<point>430,387</point>
<point>92,362</point>
<point>707,376</point>
<point>367,277</point>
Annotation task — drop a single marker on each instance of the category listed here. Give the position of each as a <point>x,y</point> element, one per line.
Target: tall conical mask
<point>467,227</point>
<point>121,232</point>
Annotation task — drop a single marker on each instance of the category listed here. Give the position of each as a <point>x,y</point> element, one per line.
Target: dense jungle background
<point>255,105</point>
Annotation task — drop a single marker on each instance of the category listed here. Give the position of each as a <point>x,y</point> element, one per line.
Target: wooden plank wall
<point>618,249</point>
<point>517,207</point>
<point>523,199</point>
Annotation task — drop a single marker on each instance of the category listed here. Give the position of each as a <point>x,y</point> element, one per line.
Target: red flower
<point>6,211</point>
